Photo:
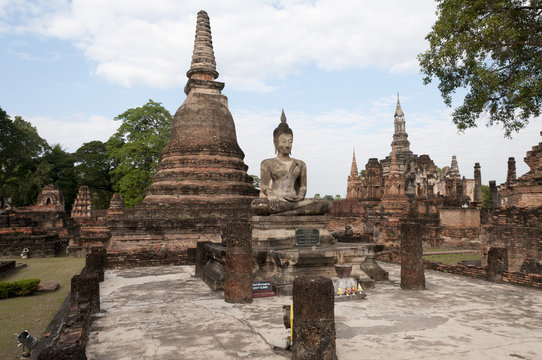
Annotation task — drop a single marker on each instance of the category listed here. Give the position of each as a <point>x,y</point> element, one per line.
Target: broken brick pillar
<point>95,262</point>
<point>85,291</point>
<point>494,201</point>
<point>412,274</point>
<point>478,196</point>
<point>314,319</point>
<point>238,278</point>
<point>511,173</point>
<point>497,262</point>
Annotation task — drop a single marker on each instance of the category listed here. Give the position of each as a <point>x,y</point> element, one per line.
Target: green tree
<point>20,149</point>
<point>54,167</point>
<point>485,195</point>
<point>255,182</point>
<point>61,173</point>
<point>493,48</point>
<point>92,167</point>
<point>135,149</point>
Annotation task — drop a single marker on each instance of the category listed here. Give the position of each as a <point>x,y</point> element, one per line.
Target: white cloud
<point>137,43</point>
<point>75,132</point>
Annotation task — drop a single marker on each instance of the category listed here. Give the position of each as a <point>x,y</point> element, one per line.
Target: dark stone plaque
<point>307,237</point>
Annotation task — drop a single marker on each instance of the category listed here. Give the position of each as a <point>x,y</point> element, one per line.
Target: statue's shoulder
<point>300,163</point>
<point>267,162</point>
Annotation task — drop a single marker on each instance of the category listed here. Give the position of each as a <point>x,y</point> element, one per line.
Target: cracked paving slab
<point>166,313</point>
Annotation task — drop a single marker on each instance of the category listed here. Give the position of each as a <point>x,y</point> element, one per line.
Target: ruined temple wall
<point>53,222</point>
<point>351,212</point>
<point>519,231</point>
<point>527,195</point>
<point>18,232</point>
<point>460,227</point>
<point>460,218</point>
<point>346,208</point>
<point>93,232</point>
<point>468,188</point>
<point>163,236</point>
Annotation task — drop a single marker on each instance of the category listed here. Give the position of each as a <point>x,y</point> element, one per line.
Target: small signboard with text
<point>262,288</point>
<point>307,237</point>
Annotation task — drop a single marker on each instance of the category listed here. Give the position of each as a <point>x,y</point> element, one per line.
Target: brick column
<point>478,197</point>
<point>314,319</point>
<point>238,278</point>
<point>412,275</point>
<point>494,201</point>
<point>511,174</point>
<point>95,262</point>
<point>85,291</point>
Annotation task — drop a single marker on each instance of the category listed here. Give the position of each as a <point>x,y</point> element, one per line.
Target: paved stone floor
<point>165,313</point>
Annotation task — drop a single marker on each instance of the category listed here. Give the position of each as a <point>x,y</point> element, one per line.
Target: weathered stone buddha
<point>283,181</point>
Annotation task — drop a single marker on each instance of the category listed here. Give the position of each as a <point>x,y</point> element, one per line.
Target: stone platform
<point>287,247</point>
<point>166,313</point>
<point>282,265</point>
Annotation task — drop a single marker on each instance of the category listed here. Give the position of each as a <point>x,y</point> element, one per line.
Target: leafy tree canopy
<point>255,182</point>
<point>61,172</point>
<point>135,149</point>
<point>20,150</point>
<point>493,48</point>
<point>485,195</point>
<point>54,167</point>
<point>328,197</point>
<point>92,167</point>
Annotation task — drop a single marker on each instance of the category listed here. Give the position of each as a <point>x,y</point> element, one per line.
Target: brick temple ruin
<point>512,234</point>
<point>448,204</point>
<point>43,229</point>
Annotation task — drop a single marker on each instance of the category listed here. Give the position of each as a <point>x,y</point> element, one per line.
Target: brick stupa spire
<point>203,65</point>
<point>354,167</point>
<point>202,73</point>
<point>353,184</point>
<point>454,168</point>
<point>400,136</point>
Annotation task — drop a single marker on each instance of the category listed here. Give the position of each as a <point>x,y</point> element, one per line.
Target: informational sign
<point>262,288</point>
<point>307,237</point>
<point>261,285</point>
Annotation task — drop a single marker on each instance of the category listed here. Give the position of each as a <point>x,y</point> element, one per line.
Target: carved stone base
<point>282,266</point>
<point>213,274</point>
<point>278,256</point>
<point>371,267</point>
<point>280,231</point>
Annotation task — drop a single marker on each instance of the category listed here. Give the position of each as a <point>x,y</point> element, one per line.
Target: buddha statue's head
<point>284,130</point>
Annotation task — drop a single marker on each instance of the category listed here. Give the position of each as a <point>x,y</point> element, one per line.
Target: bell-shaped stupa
<point>201,180</point>
<point>202,161</point>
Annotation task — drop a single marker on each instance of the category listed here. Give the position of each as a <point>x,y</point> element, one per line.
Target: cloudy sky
<point>70,67</point>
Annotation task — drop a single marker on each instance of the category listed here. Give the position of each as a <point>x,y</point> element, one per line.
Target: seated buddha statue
<point>283,181</point>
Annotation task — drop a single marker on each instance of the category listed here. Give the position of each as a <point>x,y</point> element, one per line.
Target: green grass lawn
<point>33,313</point>
<point>449,258</point>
